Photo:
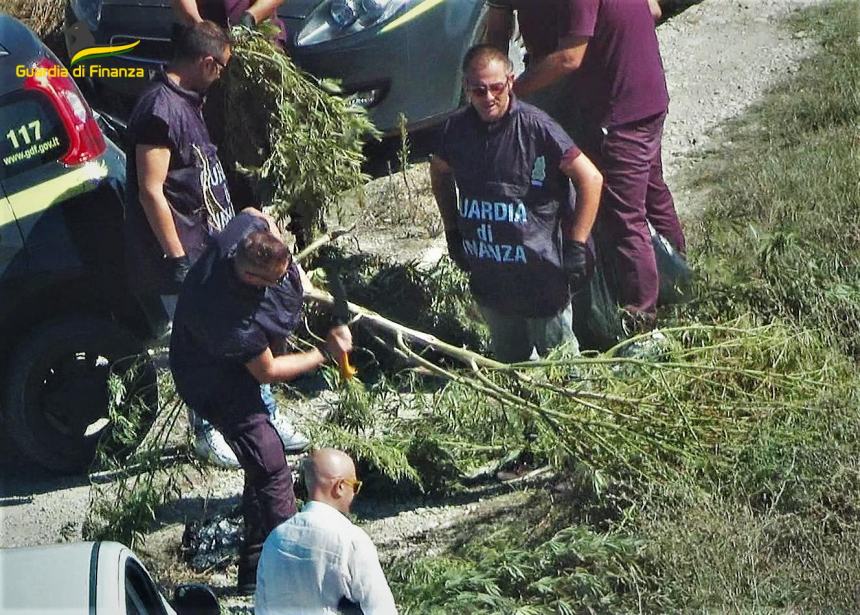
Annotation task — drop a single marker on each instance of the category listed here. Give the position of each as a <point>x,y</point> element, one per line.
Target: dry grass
<point>44,17</point>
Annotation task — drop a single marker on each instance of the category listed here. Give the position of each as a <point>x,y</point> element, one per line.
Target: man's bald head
<point>327,463</point>
<point>329,476</point>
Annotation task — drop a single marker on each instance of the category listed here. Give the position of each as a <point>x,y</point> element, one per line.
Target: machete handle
<point>347,371</point>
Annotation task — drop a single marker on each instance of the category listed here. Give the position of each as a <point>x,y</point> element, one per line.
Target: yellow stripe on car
<point>411,14</point>
<point>21,210</point>
<point>35,199</point>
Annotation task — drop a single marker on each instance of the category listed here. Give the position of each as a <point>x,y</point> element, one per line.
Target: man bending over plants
<point>239,302</point>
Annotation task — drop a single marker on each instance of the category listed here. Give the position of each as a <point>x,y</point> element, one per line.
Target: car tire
<point>56,395</point>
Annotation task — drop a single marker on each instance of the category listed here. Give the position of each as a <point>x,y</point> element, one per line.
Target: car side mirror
<point>195,599</point>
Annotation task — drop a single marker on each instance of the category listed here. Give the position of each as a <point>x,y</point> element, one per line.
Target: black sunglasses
<point>219,62</point>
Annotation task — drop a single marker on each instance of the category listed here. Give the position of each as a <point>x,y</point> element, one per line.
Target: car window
<point>141,596</point>
<point>31,133</point>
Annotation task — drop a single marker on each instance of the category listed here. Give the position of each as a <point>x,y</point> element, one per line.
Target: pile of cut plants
<point>297,141</point>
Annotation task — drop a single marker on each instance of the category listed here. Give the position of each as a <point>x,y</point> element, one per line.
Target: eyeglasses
<point>481,89</point>
<point>221,65</point>
<point>355,484</point>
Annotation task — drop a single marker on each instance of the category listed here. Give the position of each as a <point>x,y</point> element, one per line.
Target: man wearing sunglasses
<point>501,178</point>
<point>178,195</point>
<point>228,13</point>
<point>318,561</point>
<point>240,301</point>
<point>602,58</point>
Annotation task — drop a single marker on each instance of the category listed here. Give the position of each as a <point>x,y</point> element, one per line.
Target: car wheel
<point>56,396</point>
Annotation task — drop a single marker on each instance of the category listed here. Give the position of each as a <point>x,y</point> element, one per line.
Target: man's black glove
<point>575,263</point>
<point>177,268</point>
<point>247,20</point>
<point>456,251</point>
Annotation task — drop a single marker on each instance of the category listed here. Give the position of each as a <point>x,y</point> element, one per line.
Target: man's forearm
<point>291,366</point>
<point>445,193</point>
<point>157,211</point>
<point>263,9</point>
<point>552,67</point>
<point>588,202</point>
<point>186,11</point>
<point>500,28</point>
<point>588,182</point>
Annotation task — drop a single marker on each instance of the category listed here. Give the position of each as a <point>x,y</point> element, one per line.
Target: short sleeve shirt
<point>621,79</point>
<point>167,115</point>
<point>512,200</point>
<point>221,323</point>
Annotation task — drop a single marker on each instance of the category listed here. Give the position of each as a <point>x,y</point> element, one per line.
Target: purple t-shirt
<point>167,115</point>
<point>621,79</point>
<point>513,199</point>
<point>221,323</point>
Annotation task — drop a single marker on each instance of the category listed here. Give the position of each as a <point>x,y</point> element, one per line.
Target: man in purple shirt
<point>241,300</point>
<point>178,196</point>
<point>501,178</point>
<point>227,13</point>
<point>609,53</point>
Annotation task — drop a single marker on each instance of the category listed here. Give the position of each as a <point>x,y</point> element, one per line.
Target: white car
<point>102,578</point>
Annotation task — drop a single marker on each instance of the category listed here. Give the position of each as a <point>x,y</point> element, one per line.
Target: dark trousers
<point>268,498</point>
<point>634,193</point>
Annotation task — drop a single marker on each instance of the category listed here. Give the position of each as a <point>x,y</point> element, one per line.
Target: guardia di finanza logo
<point>84,65</point>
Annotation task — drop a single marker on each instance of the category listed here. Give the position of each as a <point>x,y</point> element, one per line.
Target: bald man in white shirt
<point>318,562</point>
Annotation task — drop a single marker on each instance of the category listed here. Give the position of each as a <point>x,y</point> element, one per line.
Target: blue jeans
<point>269,399</point>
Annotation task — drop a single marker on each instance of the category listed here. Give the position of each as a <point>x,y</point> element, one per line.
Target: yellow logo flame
<point>101,52</point>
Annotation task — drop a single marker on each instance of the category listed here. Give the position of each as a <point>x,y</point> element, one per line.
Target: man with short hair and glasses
<point>501,178</point>
<point>228,13</point>
<point>178,196</point>
<point>318,561</point>
<point>239,303</point>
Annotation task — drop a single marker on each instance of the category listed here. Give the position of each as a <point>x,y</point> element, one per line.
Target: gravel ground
<point>720,56</point>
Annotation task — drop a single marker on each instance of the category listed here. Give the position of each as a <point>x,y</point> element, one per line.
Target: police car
<point>391,56</point>
<point>67,318</point>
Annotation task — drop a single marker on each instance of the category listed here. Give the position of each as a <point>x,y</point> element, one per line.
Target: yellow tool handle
<point>347,371</point>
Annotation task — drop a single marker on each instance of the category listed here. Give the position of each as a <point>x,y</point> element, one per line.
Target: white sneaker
<point>649,348</point>
<point>209,445</point>
<point>294,440</point>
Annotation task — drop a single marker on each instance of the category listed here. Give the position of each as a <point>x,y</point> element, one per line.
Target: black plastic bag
<point>676,277</point>
<point>598,320</point>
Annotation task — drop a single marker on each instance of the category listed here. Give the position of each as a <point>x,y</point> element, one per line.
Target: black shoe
<point>246,589</point>
<point>249,557</point>
<point>246,583</point>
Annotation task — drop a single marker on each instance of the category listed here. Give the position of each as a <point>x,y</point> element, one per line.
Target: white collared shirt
<point>314,559</point>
